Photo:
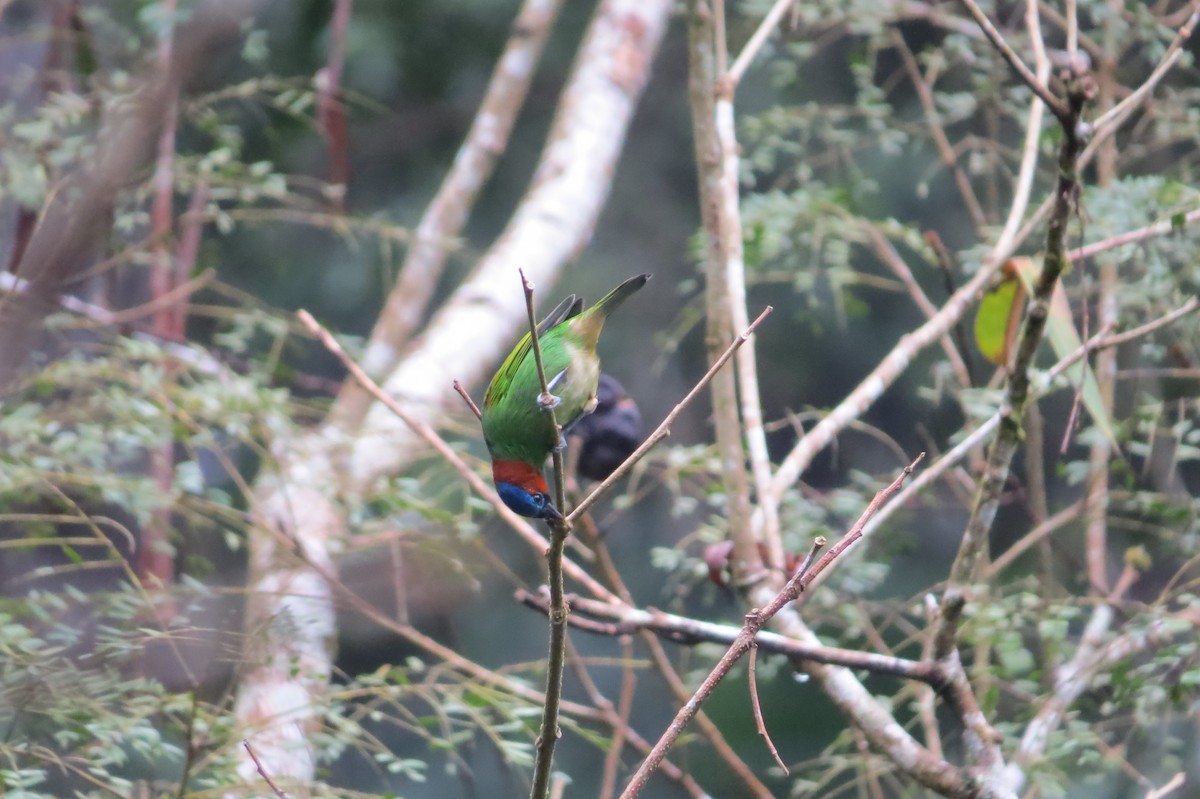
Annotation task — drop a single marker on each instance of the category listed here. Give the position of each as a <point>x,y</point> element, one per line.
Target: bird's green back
<point>514,425</point>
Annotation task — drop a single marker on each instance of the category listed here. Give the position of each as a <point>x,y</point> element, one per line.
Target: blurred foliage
<point>834,138</point>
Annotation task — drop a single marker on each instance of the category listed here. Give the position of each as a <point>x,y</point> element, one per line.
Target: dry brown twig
<point>759,723</point>
<point>263,771</point>
<point>1055,104</point>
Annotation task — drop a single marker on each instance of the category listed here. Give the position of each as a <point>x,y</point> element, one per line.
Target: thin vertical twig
<point>759,722</point>
<point>1072,29</point>
<point>560,529</point>
<point>162,275</point>
<point>187,252</point>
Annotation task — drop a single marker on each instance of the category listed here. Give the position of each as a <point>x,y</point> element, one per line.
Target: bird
<point>608,435</point>
<point>517,426</point>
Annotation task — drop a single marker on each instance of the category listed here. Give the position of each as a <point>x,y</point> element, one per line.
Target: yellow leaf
<point>999,318</point>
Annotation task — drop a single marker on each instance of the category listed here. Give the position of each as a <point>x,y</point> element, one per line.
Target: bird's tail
<point>593,318</point>
<point>610,301</point>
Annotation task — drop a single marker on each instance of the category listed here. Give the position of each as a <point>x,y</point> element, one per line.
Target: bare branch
<point>887,253</point>
<point>1162,228</point>
<point>462,392</point>
<point>752,672</point>
<point>757,40</point>
<point>263,772</point>
<point>1056,106</point>
<point>622,619</point>
<point>560,528</point>
<point>1116,115</point>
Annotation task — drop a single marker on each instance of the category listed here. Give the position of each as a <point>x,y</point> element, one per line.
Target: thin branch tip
<point>462,392</point>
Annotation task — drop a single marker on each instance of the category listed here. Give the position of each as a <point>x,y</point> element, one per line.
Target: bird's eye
<point>540,500</point>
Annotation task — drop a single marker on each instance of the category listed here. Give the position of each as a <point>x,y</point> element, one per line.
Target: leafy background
<point>831,136</point>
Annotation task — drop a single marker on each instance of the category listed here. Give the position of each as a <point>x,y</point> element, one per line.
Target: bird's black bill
<point>551,513</point>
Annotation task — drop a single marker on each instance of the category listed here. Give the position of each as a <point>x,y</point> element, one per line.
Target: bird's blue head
<point>523,489</point>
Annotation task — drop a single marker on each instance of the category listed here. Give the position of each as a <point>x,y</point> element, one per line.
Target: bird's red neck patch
<point>519,473</point>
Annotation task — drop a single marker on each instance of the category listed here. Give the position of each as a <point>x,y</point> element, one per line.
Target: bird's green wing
<point>568,308</point>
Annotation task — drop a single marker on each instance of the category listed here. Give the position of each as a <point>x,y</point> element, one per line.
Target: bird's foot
<point>591,404</point>
<point>548,402</point>
<point>562,444</point>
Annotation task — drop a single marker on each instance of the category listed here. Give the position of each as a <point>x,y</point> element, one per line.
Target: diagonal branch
<point>973,551</point>
<point>980,434</point>
<point>1056,105</point>
<point>1113,118</point>
<point>664,428</point>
